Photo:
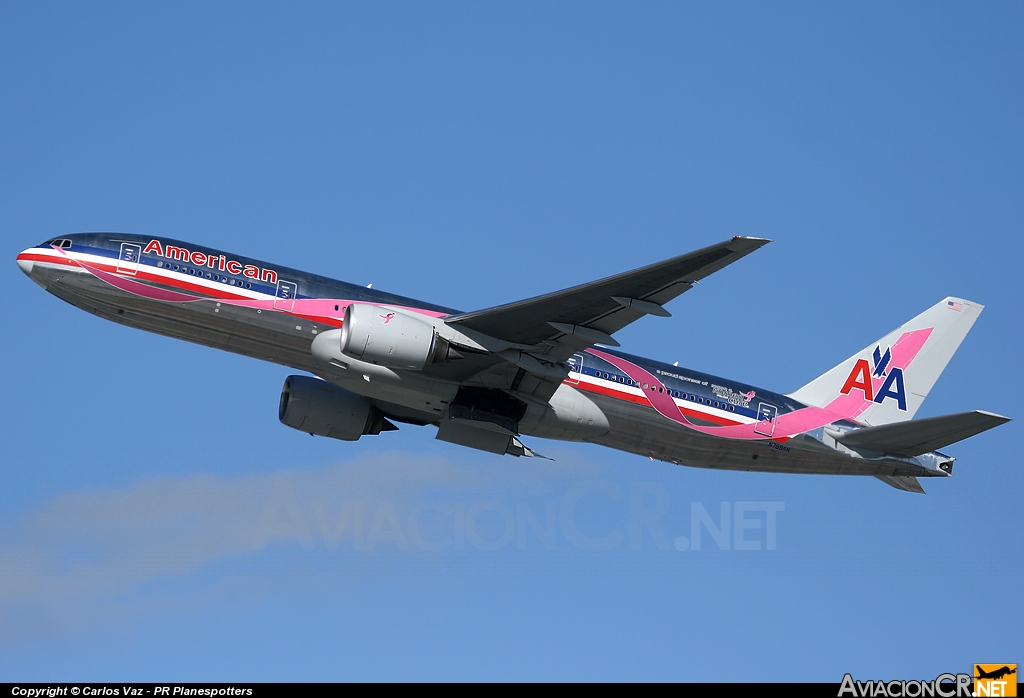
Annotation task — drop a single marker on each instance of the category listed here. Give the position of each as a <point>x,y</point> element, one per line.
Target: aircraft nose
<point>25,264</point>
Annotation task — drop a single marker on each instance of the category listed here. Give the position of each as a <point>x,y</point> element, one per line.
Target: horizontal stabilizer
<point>907,483</point>
<point>922,435</point>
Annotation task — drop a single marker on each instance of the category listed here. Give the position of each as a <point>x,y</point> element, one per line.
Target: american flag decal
<point>954,306</point>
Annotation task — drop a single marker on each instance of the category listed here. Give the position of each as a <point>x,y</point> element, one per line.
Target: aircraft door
<point>128,260</point>
<point>575,364</point>
<point>285,298</point>
<point>767,414</point>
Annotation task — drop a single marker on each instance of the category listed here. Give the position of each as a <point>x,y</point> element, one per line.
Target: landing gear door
<point>128,260</point>
<point>575,364</point>
<point>285,298</point>
<point>767,414</point>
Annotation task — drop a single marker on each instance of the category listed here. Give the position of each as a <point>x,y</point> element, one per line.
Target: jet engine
<point>321,408</point>
<point>385,337</point>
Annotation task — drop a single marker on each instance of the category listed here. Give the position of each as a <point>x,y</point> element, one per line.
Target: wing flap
<point>920,436</point>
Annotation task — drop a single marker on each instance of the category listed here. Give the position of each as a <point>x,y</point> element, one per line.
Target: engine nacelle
<point>382,336</point>
<point>318,407</point>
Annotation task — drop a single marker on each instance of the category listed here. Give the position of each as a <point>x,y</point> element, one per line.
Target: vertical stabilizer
<point>888,380</point>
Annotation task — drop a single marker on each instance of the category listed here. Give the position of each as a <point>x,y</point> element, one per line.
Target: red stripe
<point>143,274</point>
<point>629,397</point>
<point>34,257</point>
<point>173,282</point>
<point>322,319</point>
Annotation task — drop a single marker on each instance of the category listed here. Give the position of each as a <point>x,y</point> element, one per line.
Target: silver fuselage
<point>276,332</point>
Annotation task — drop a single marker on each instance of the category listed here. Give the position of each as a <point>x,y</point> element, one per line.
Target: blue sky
<point>157,522</point>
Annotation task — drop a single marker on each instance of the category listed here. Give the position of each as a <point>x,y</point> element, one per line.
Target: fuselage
<point>275,314</point>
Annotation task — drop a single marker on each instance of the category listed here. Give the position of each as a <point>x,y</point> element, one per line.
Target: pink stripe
<point>310,307</point>
<point>137,287</point>
<point>786,425</point>
<point>906,348</point>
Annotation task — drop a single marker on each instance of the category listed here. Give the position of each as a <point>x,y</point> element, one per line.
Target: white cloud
<point>102,557</point>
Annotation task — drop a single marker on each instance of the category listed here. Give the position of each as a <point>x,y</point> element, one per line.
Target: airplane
<point>545,367</point>
<point>995,674</point>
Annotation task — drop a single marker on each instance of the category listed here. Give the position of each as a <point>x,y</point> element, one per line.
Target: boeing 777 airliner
<point>542,367</point>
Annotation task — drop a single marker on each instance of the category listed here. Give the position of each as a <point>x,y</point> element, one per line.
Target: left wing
<point>536,336</point>
<point>591,313</point>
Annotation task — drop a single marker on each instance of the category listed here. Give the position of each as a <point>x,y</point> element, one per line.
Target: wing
<point>537,335</point>
<point>592,312</point>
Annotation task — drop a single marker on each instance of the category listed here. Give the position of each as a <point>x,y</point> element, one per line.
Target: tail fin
<point>890,378</point>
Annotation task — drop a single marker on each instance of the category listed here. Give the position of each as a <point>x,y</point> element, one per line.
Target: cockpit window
<point>60,242</point>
